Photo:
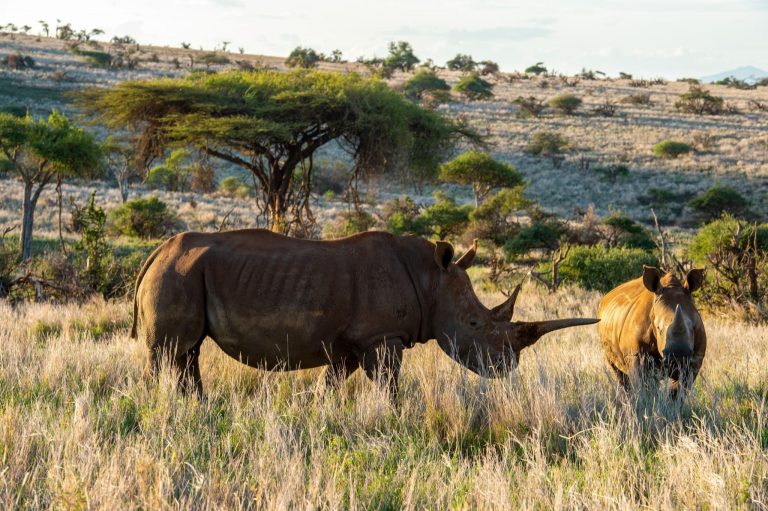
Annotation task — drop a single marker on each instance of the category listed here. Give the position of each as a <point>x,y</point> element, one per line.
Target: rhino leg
<point>185,363</point>
<point>339,371</point>
<point>622,378</point>
<point>382,364</point>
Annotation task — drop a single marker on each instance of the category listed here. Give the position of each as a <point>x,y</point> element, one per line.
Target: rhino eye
<point>473,323</point>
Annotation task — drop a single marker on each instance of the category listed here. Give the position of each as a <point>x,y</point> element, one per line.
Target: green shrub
<point>536,69</point>
<point>671,149</point>
<point>445,219</point>
<point>18,61</point>
<point>699,101</point>
<point>174,175</point>
<point>92,254</point>
<point>622,231</point>
<point>302,57</point>
<point>482,172</point>
<point>546,143</point>
<point>537,236</point>
<point>566,103</point>
<point>461,63</point>
<point>473,87</point>
<point>530,106</point>
<point>424,81</point>
<point>613,172</point>
<point>497,219</point>
<point>718,200</point>
<point>143,218</point>
<point>94,58</point>
<point>348,223</point>
<point>400,56</point>
<point>231,186</point>
<point>719,234</point>
<point>401,216</point>
<point>601,268</point>
<point>489,67</point>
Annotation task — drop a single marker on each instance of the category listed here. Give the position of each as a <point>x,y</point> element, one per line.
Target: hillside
<point>729,149</point>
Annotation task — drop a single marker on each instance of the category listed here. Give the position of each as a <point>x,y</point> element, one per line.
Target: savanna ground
<point>80,427</point>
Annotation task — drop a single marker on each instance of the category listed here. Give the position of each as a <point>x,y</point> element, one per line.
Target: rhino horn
<point>678,323</point>
<point>530,331</point>
<point>504,311</point>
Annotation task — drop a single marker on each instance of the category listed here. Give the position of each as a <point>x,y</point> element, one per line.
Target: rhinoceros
<point>281,303</point>
<point>650,326</point>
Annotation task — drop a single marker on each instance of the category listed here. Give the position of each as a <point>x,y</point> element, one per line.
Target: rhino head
<point>483,340</point>
<point>673,315</point>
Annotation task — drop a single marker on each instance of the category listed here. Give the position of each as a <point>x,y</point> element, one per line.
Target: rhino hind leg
<point>337,372</point>
<point>621,377</point>
<point>382,364</point>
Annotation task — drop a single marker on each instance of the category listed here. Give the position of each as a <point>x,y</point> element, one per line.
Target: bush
<point>474,88</point>
<point>481,171</point>
<point>613,172</point>
<point>234,187</point>
<point>302,57</point>
<point>622,231</point>
<point>546,143</point>
<point>445,218</point>
<point>348,223</point>
<point>203,178</point>
<point>400,56</point>
<point>401,216</point>
<point>718,200</point>
<point>489,67</point>
<point>498,219</point>
<point>537,236</point>
<point>174,174</point>
<point>566,103</point>
<point>143,218</point>
<point>424,81</point>
<point>92,254</point>
<point>601,268</point>
<point>699,101</point>
<point>641,98</point>
<point>671,149</point>
<point>94,58</point>
<point>536,69</point>
<point>461,63</point>
<point>18,61</point>
<point>530,106</point>
<point>719,234</point>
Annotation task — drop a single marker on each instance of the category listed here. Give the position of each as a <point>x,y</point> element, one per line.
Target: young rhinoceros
<point>276,302</point>
<point>651,325</point>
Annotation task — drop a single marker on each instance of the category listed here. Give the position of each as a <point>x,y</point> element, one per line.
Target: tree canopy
<point>271,123</point>
<point>39,150</point>
<point>482,172</point>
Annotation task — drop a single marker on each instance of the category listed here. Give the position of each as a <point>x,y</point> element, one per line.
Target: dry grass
<point>80,428</point>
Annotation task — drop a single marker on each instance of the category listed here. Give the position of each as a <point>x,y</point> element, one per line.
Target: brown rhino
<point>650,324</point>
<point>276,302</point>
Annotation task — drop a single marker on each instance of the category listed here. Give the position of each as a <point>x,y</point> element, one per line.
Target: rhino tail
<point>139,278</point>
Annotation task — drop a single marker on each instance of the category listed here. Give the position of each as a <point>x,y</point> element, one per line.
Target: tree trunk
<point>122,185</point>
<point>28,219</point>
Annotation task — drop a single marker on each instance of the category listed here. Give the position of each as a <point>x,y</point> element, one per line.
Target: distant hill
<point>749,74</point>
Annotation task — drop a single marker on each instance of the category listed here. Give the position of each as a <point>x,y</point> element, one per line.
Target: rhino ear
<point>443,254</point>
<point>465,261</point>
<point>694,279</point>
<point>651,279</point>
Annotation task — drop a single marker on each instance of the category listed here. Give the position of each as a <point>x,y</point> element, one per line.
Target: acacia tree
<point>272,123</point>
<point>38,151</point>
<point>482,172</point>
<point>120,156</point>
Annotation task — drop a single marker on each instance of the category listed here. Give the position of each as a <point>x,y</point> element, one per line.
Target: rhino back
<point>272,299</point>
<point>625,321</point>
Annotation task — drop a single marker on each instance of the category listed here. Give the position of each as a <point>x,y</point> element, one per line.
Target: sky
<point>647,38</point>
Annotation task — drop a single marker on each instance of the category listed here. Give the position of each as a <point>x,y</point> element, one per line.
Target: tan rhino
<point>276,302</point>
<point>650,324</point>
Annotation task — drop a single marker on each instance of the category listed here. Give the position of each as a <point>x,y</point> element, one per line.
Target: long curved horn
<point>504,311</point>
<point>530,332</point>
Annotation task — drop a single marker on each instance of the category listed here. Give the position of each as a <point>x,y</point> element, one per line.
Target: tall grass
<point>80,428</point>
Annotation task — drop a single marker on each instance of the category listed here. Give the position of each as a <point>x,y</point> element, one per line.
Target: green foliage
<point>400,56</point>
<point>536,69</point>
<point>461,63</point>
<point>231,186</point>
<point>401,216</point>
<point>497,219</point>
<point>546,143</point>
<point>719,235</point>
<point>473,87</point>
<point>699,101</point>
<point>625,232</point>
<point>671,149</point>
<point>537,236</point>
<point>94,58</point>
<point>174,175</point>
<point>613,172</point>
<point>213,58</point>
<point>92,254</point>
<point>566,103</point>
<point>445,219</point>
<point>481,171</point>
<point>717,200</point>
<point>424,81</point>
<point>284,118</point>
<point>734,83</point>
<point>348,223</point>
<point>143,218</point>
<point>602,268</point>
<point>302,57</point>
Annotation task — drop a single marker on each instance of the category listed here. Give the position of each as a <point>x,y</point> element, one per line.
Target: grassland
<point>81,429</point>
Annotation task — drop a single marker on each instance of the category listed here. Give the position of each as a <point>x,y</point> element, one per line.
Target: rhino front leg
<point>382,364</point>
<point>339,371</point>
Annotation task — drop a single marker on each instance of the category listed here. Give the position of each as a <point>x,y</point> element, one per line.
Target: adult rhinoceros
<point>650,324</point>
<point>276,302</point>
